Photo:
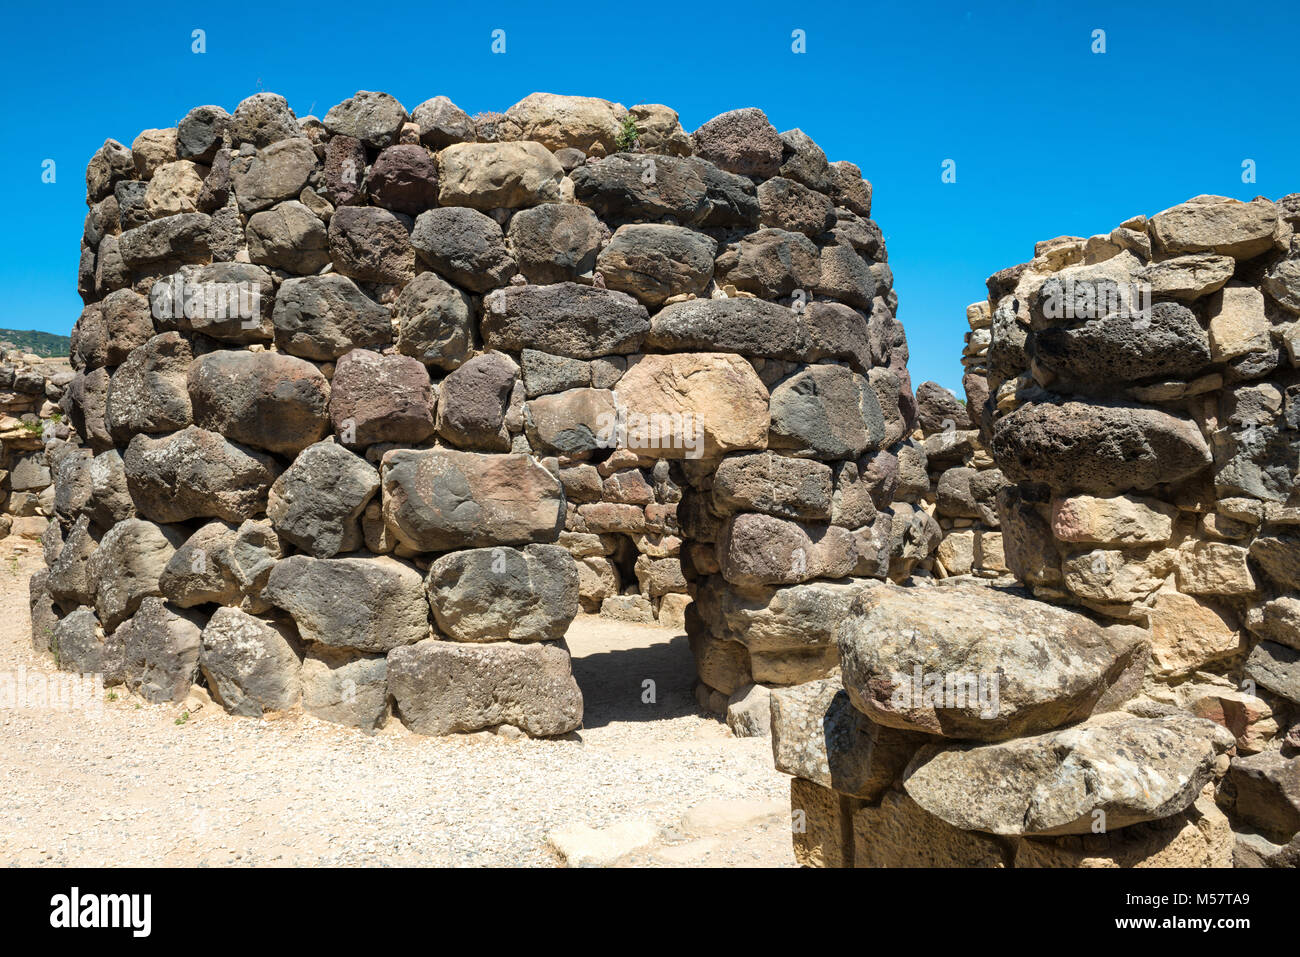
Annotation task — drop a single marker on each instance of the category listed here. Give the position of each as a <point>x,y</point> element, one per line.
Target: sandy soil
<point>132,783</point>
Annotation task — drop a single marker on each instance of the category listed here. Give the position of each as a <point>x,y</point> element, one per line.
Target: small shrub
<point>627,135</point>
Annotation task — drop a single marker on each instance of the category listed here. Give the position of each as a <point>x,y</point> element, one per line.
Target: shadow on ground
<point>612,666</point>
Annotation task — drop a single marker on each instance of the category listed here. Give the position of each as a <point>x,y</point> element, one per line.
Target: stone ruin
<point>31,388</point>
<point>1139,393</point>
<point>367,408</point>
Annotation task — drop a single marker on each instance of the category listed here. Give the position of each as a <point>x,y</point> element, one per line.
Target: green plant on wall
<point>627,134</point>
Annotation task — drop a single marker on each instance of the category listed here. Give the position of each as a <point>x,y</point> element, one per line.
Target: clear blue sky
<point>1048,137</point>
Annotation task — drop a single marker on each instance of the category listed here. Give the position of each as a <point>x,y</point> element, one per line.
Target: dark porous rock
<point>316,503</point>
<point>473,401</point>
<point>250,664</point>
<point>785,204</point>
<point>161,651</point>
<point>376,398</point>
<point>441,499</point>
<point>345,171</point>
<point>772,263</point>
<point>1275,668</point>
<point>288,236</point>
<point>373,118</point>
<point>463,246</point>
<point>148,391</point>
<point>324,317</point>
<point>404,178</point>
<point>442,123</point>
<point>827,412</point>
<point>264,399</point>
<point>434,322</point>
<point>631,186</point>
<point>567,319</point>
<point>773,484</point>
<point>184,237</point>
<point>556,242</point>
<point>367,603</point>
<point>504,594</point>
<point>756,549</point>
<point>127,565</point>
<point>740,141</point>
<point>263,119</point>
<point>938,410</point>
<point>1101,448</point>
<point>201,571</point>
<point>199,133</point>
<point>653,261</point>
<point>272,174</point>
<point>111,164</point>
<point>371,245</point>
<point>195,473</point>
<point>752,327</point>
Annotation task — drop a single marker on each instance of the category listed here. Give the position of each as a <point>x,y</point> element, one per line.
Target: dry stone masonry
<point>368,408</point>
<point>1135,699</point>
<point>30,391</point>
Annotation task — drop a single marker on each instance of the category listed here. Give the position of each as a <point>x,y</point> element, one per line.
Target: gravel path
<point>137,784</point>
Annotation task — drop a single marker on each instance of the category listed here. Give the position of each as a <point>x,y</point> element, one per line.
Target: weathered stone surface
<point>1188,633</point>
<point>1125,768</point>
<point>263,119</point>
<point>441,499</point>
<point>574,122</point>
<point>324,317</point>
<point>1278,553</point>
<point>316,503</point>
<point>1010,665</point>
<point>174,189</point>
<point>288,236</point>
<point>1198,837</point>
<point>753,327</point>
<point>404,178</point>
<point>692,405</point>
<point>819,736</point>
<point>373,118</point>
<point>43,615</point>
<point>202,570</point>
<point>1268,793</point>
<point>443,687</point>
<point>556,242</point>
<point>1119,520</point>
<point>376,398</point>
<point>653,261</point>
<point>566,319</point>
<point>1218,225</point>
<point>161,652</point>
<point>504,594</point>
<point>544,373</point>
<point>825,411</point>
<point>264,399</point>
<point>127,565</point>
<point>758,549</point>
<point>1099,448</point>
<point>772,264</point>
<point>77,641</point>
<point>1275,668</point>
<point>107,332</point>
<point>773,484</point>
<point>473,401</point>
<point>571,422</point>
<point>632,186</point>
<point>231,302</point>
<point>1238,324</point>
<point>370,244</point>
<point>785,204</point>
<point>492,175</point>
<point>184,237</point>
<point>1282,283</point>
<point>251,665</point>
<point>148,392</point>
<point>367,603</point>
<point>900,833</point>
<point>435,322</point>
<point>198,134</point>
<point>938,410</point>
<point>110,164</point>
<point>195,473</point>
<point>1169,341</point>
<point>345,688</point>
<point>464,246</point>
<point>740,141</point>
<point>1187,277</point>
<point>274,173</point>
<point>442,123</point>
<point>69,578</point>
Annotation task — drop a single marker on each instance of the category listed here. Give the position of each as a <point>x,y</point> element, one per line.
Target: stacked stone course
<point>1147,448</point>
<point>344,390</point>
<point>30,390</point>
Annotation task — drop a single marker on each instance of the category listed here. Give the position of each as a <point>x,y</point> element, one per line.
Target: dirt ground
<point>130,783</point>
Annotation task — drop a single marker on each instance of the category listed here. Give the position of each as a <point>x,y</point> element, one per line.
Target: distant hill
<point>45,344</point>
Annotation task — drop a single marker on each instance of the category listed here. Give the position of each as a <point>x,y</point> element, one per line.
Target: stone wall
<point>1140,395</point>
<point>30,390</point>
<point>367,408</point>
